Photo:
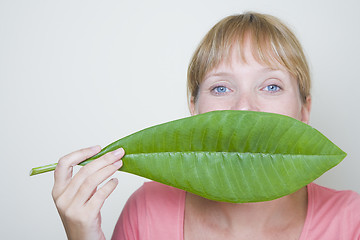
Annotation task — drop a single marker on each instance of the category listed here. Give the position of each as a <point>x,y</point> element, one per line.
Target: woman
<point>246,62</point>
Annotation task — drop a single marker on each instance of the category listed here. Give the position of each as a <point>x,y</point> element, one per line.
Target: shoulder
<point>333,211</point>
<point>153,204</point>
<point>341,198</point>
<point>154,191</point>
<point>152,196</point>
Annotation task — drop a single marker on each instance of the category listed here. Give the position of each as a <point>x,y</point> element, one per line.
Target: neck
<point>277,214</point>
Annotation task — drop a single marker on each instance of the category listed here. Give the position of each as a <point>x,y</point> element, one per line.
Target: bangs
<point>266,51</point>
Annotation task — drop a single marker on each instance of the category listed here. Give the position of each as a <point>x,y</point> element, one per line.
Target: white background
<point>79,73</point>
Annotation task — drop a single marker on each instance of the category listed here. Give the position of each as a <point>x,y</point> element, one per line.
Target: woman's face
<point>235,85</point>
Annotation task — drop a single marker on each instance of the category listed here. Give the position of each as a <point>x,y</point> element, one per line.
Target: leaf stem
<point>51,167</point>
<point>43,169</point>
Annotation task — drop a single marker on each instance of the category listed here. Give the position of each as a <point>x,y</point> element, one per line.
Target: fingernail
<point>118,164</point>
<point>118,152</point>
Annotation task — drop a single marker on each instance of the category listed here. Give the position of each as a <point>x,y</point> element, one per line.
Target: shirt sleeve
<point>154,211</point>
<point>127,227</point>
<point>332,214</point>
<point>354,214</point>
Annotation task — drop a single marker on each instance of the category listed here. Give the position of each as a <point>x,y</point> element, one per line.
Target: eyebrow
<point>271,69</point>
<point>218,74</point>
<point>224,73</point>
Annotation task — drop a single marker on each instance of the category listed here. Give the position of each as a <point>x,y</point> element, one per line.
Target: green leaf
<point>231,156</point>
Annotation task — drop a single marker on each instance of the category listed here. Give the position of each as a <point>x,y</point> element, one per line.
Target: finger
<point>101,162</point>
<point>64,169</point>
<point>92,172</point>
<point>90,184</point>
<point>97,201</point>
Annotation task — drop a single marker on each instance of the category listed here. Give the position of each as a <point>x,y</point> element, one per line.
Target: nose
<point>245,102</point>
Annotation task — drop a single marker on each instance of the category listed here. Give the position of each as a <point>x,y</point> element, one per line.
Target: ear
<point>305,110</point>
<point>192,106</point>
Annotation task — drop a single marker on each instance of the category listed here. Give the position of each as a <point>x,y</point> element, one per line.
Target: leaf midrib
<point>239,153</point>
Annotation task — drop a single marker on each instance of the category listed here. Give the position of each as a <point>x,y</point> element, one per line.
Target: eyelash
<point>213,90</point>
<point>272,91</point>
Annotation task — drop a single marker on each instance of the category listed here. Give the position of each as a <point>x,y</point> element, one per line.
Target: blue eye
<point>220,89</point>
<point>272,88</point>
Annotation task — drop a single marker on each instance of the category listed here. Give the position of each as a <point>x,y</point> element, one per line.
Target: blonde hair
<point>272,43</point>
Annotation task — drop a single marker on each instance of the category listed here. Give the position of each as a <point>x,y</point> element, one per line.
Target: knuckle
<point>87,170</point>
<point>102,194</point>
<point>79,154</point>
<point>109,157</point>
<point>57,169</point>
<point>69,214</point>
<point>62,161</point>
<point>54,194</point>
<point>99,197</point>
<point>83,152</point>
<point>87,184</point>
<point>77,217</point>
<point>60,205</point>
<point>105,191</point>
<point>72,214</point>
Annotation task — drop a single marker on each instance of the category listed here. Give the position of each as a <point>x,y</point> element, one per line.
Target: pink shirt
<point>156,211</point>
